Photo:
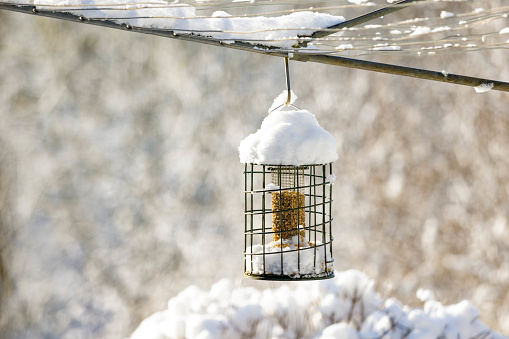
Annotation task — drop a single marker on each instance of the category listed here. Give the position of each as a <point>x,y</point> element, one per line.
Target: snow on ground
<point>346,306</point>
<point>289,138</point>
<point>281,31</point>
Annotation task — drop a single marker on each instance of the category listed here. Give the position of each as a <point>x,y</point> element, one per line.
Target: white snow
<point>445,14</point>
<point>343,47</point>
<point>420,30</point>
<point>441,29</point>
<point>331,179</point>
<point>425,295</point>
<point>484,87</point>
<point>504,30</point>
<point>281,31</point>
<point>362,2</point>
<point>289,138</point>
<point>271,187</point>
<point>346,306</point>
<point>308,253</point>
<point>341,330</point>
<point>281,100</point>
<point>386,47</point>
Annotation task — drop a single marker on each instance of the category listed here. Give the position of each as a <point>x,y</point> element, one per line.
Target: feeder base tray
<point>295,277</point>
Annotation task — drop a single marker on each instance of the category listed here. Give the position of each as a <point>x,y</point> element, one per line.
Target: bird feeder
<point>288,195</point>
<point>288,219</point>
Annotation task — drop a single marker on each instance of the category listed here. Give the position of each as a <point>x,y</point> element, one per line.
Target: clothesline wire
<point>366,17</point>
<point>383,32</point>
<point>296,54</point>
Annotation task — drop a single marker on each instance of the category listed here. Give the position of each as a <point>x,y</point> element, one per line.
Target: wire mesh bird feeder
<point>288,222</point>
<point>288,205</point>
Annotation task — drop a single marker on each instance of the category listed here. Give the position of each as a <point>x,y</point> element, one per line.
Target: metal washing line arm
<point>293,54</point>
<point>404,71</point>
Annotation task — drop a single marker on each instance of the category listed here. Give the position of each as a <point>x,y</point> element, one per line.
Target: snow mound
<point>289,138</point>
<point>344,307</point>
<point>310,260</point>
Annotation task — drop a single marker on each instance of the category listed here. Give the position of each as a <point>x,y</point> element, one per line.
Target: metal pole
<point>402,70</point>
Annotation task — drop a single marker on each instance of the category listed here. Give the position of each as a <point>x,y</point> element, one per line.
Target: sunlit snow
<point>346,306</point>
<point>445,14</point>
<point>280,31</point>
<point>386,47</point>
<point>309,260</point>
<point>484,87</point>
<point>291,137</point>
<point>362,2</point>
<point>281,100</point>
<point>421,30</point>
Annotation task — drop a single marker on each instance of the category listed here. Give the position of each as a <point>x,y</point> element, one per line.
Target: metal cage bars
<point>277,252</point>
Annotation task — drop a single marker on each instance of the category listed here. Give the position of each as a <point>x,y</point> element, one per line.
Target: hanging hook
<point>288,90</point>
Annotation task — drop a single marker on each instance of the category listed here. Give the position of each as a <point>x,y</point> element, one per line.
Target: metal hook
<point>288,90</point>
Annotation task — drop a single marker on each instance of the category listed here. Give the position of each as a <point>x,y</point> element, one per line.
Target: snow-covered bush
<point>344,307</point>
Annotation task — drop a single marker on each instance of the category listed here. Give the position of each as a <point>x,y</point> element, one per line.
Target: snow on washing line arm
<point>365,18</point>
<point>281,31</point>
<point>260,46</point>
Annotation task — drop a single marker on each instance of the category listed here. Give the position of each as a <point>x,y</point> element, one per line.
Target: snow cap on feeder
<point>289,138</point>
<point>289,157</point>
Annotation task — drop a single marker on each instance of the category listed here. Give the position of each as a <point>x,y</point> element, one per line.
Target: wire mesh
<point>288,177</point>
<point>288,236</point>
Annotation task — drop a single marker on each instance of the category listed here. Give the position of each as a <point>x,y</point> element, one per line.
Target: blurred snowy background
<point>120,182</point>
